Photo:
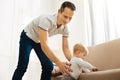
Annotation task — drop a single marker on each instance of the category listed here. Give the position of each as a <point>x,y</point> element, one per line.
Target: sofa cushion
<point>113,74</point>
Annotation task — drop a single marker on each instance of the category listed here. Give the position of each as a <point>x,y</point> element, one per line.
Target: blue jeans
<point>26,45</point>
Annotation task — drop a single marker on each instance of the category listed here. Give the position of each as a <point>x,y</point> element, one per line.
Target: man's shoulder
<point>47,17</point>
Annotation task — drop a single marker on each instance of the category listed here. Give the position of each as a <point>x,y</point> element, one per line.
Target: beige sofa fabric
<point>106,57</point>
<point>112,74</point>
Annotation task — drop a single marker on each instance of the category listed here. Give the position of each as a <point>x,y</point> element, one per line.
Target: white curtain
<point>14,15</point>
<point>101,20</point>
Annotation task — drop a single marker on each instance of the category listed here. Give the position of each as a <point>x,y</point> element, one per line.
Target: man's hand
<point>64,68</point>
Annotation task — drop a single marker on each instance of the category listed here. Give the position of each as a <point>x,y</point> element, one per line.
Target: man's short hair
<point>68,5</point>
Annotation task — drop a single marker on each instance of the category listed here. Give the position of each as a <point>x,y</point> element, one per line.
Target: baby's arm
<point>85,70</point>
<point>86,65</point>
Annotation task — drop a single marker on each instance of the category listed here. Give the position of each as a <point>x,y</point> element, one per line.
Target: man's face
<point>65,16</point>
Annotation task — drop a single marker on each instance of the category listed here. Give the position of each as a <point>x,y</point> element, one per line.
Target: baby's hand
<point>83,71</point>
<point>94,69</point>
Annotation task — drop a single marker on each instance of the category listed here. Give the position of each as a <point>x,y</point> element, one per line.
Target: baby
<point>78,64</point>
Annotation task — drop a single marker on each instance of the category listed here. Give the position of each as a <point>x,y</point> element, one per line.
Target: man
<point>35,36</point>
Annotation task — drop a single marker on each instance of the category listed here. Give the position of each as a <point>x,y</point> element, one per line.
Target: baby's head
<point>79,50</point>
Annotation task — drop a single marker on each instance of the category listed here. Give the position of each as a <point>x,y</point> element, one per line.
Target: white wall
<point>6,23</point>
<point>14,14</point>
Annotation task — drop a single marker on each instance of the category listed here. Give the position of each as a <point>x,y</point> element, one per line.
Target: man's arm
<point>64,66</point>
<point>45,47</point>
<point>65,47</point>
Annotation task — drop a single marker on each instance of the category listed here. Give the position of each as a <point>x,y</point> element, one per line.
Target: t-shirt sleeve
<point>65,32</point>
<point>44,24</point>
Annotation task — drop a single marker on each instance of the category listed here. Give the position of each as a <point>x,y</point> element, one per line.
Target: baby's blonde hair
<point>80,47</point>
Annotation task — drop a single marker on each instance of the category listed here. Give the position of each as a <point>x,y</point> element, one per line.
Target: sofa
<point>105,56</point>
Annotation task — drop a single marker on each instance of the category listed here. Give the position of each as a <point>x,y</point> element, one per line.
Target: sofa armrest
<point>113,74</point>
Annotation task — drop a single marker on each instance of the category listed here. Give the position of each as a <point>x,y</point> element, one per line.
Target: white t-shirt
<point>78,64</point>
<point>45,22</point>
